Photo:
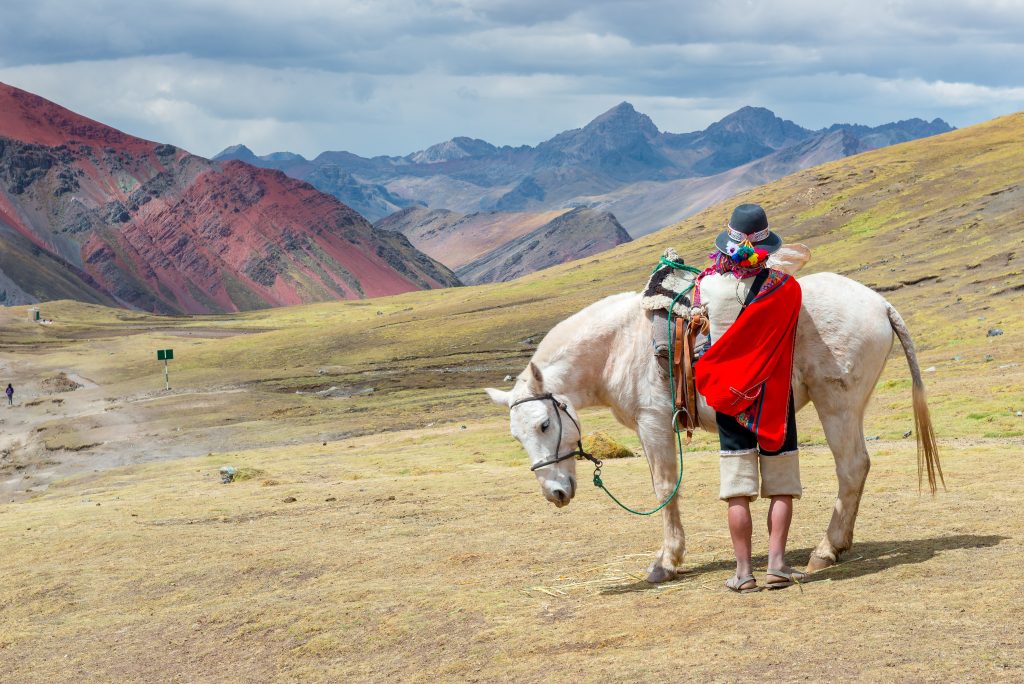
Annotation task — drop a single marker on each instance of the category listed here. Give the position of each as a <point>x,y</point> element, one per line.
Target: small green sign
<point>164,354</point>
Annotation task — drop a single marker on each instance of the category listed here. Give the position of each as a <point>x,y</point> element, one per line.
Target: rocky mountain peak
<point>461,147</point>
<point>621,142</point>
<point>759,125</point>
<point>240,152</point>
<point>622,119</point>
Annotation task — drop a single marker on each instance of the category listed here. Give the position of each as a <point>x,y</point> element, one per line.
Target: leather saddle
<point>688,342</point>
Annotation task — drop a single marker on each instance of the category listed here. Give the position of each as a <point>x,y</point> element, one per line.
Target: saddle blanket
<point>665,284</point>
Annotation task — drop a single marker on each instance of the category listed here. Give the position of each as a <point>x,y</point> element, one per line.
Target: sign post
<point>165,355</point>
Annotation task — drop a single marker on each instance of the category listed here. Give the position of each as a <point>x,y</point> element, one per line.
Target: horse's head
<point>548,428</point>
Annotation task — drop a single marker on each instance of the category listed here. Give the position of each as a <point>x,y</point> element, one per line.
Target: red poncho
<point>747,372</point>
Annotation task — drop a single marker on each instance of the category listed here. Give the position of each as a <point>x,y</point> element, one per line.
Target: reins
<point>561,407</point>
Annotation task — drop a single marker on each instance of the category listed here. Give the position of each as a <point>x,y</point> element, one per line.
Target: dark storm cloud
<point>390,76</point>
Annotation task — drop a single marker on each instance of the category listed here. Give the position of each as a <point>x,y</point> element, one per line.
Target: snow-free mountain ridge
<point>619,154</point>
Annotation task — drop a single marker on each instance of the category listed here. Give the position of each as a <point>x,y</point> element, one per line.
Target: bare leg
<point>741,529</point>
<point>780,515</point>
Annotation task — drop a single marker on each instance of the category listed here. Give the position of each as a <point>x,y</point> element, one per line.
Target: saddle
<point>685,352</point>
<point>666,297</point>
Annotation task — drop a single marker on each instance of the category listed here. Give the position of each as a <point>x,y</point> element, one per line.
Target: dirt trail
<point>47,435</point>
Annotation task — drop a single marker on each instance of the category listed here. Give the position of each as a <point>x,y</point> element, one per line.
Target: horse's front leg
<point>656,436</point>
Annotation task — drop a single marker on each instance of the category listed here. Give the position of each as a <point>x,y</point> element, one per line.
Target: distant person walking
<point>10,395</point>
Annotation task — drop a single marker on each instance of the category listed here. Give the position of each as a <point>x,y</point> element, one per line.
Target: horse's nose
<point>561,495</point>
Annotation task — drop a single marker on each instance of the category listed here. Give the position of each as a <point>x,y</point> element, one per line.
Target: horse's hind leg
<point>844,431</point>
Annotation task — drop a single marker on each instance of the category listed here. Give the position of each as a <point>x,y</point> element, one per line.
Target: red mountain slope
<point>153,227</point>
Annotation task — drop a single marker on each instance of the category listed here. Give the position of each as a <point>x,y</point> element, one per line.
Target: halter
<point>559,408</point>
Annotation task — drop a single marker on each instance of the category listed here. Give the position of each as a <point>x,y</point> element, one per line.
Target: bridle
<point>560,407</point>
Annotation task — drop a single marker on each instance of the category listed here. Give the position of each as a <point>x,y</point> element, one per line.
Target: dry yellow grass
<point>431,555</point>
<point>466,573</point>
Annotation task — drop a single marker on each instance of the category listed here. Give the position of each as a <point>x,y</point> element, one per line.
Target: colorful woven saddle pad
<point>665,284</point>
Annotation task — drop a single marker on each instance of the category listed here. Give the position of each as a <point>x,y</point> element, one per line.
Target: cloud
<point>393,76</point>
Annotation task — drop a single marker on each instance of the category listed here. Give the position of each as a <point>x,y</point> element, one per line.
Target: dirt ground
<point>431,555</point>
<point>54,431</point>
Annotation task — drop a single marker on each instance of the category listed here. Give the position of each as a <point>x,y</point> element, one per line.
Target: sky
<point>395,76</point>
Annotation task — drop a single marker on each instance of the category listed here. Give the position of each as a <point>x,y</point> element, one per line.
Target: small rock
<point>98,503</point>
<point>929,369</point>
<point>1020,413</point>
<point>227,474</point>
<point>993,332</point>
<point>289,499</point>
<point>325,444</point>
<point>508,378</point>
<point>872,439</point>
<point>391,498</point>
<point>528,340</point>
<point>989,357</point>
<point>956,358</point>
<point>331,498</point>
<point>907,433</point>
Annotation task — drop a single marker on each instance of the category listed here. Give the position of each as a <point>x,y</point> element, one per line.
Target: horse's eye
<point>545,425</point>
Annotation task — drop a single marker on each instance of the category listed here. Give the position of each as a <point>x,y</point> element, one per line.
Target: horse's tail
<point>927,449</point>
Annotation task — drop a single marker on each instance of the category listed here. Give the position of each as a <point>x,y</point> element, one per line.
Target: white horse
<point>602,356</point>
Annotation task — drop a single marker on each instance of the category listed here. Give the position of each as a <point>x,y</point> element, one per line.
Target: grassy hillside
<point>396,557</point>
<point>933,224</point>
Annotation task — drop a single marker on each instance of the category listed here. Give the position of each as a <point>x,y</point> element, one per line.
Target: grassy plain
<point>417,548</point>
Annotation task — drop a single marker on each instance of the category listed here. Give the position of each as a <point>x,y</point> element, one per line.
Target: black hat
<point>748,222</point>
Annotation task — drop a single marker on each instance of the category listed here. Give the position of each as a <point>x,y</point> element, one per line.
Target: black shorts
<point>734,437</point>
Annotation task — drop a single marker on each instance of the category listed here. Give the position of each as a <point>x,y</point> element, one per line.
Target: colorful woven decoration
<point>745,254</point>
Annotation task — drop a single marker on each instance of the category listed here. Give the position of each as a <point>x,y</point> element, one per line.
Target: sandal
<point>788,578</point>
<point>735,583</point>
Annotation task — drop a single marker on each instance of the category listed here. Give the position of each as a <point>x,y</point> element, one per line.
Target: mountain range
<point>90,213</point>
<point>619,162</point>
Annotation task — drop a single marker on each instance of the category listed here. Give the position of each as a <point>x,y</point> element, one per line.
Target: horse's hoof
<point>659,574</point>
<point>817,563</point>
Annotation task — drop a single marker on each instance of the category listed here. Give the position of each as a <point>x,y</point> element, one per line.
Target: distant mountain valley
<point>497,246</point>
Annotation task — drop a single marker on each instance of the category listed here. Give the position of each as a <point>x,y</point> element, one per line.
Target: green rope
<point>678,265</point>
<point>598,482</point>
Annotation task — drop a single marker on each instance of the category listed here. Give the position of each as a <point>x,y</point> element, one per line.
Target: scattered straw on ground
<point>411,557</point>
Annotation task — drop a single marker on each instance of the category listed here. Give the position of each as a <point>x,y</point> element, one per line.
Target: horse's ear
<point>536,380</point>
<point>498,396</point>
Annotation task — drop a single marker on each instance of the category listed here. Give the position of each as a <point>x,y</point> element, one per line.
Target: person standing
<point>10,395</point>
<point>746,377</point>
